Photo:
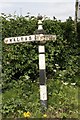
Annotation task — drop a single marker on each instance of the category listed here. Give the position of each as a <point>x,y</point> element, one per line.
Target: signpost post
<point>40,37</point>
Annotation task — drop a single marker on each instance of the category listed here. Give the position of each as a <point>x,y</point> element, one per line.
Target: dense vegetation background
<point>20,79</point>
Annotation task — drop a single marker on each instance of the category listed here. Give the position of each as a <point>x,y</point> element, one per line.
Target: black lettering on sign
<point>37,37</point>
<point>10,40</point>
<point>29,37</point>
<point>21,38</point>
<point>17,39</point>
<point>25,38</point>
<point>14,39</point>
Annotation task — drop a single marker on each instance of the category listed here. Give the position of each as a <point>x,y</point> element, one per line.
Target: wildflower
<point>54,70</point>
<point>73,83</point>
<point>56,65</point>
<point>45,116</point>
<point>27,77</point>
<point>60,75</point>
<point>26,114</point>
<point>65,83</point>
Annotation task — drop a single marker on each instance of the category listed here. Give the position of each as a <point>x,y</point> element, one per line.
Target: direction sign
<point>19,39</point>
<point>30,38</point>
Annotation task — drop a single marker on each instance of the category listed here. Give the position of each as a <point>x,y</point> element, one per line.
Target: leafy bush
<point>20,68</point>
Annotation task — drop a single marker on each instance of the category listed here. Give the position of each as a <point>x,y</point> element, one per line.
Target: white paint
<point>43,92</point>
<point>19,39</point>
<point>42,61</point>
<point>39,22</point>
<point>40,27</point>
<point>41,48</point>
<point>29,38</point>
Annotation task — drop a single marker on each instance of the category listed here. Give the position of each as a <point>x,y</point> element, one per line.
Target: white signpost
<point>30,38</point>
<point>42,38</point>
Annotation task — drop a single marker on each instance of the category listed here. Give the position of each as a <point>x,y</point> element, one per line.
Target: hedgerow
<point>20,65</point>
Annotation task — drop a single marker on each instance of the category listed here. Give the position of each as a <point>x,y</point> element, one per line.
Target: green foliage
<point>21,98</point>
<point>24,96</point>
<point>62,99</point>
<point>20,59</point>
<point>20,77</point>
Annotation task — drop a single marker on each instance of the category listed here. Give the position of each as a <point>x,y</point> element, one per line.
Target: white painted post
<point>42,73</point>
<point>42,66</point>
